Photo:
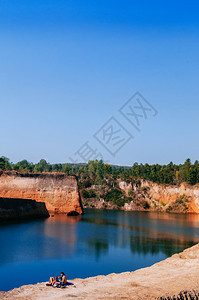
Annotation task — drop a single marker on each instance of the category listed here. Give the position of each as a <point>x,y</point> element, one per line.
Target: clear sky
<point>67,67</point>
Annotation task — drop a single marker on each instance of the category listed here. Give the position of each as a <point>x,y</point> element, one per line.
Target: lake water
<point>99,242</point>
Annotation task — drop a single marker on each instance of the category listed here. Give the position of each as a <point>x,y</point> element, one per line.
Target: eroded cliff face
<point>143,195</point>
<point>163,197</point>
<point>58,191</point>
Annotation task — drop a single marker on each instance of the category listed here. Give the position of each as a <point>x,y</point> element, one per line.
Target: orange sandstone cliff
<point>58,191</point>
<point>163,196</point>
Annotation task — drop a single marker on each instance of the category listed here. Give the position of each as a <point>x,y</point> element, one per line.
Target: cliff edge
<point>58,191</point>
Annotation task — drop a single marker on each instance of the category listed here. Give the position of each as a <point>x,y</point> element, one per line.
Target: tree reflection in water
<point>99,242</point>
<point>144,233</point>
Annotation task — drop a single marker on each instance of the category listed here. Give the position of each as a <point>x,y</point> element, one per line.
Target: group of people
<point>58,281</point>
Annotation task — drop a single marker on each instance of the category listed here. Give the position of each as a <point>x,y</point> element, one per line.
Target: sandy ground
<point>166,278</point>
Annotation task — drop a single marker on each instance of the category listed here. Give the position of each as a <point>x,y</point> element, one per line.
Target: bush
<point>179,205</point>
<point>85,194</point>
<point>89,194</point>
<point>120,202</point>
<point>169,209</point>
<point>131,193</point>
<point>86,183</point>
<point>92,194</point>
<point>154,204</point>
<point>182,199</point>
<point>104,205</point>
<point>146,205</point>
<point>128,199</point>
<point>138,183</point>
<point>84,202</point>
<point>115,196</point>
<point>179,200</point>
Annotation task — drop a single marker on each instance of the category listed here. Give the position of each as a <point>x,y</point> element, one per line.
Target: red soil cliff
<point>58,191</point>
<point>163,195</point>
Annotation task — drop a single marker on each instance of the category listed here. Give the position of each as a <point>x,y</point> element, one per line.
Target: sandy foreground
<point>166,278</point>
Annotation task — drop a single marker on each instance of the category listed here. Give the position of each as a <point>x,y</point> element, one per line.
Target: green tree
<point>99,172</point>
<point>24,165</point>
<point>42,166</point>
<point>5,163</point>
<point>66,169</point>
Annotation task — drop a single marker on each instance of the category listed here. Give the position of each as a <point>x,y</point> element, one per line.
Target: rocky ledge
<point>174,278</point>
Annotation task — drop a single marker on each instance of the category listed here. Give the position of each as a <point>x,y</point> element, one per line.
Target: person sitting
<point>63,279</point>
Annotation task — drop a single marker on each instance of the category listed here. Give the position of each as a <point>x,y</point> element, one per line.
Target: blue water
<point>99,242</point>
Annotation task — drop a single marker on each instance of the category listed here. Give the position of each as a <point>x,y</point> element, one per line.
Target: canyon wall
<point>11,209</point>
<point>142,195</point>
<point>58,191</point>
<point>163,197</point>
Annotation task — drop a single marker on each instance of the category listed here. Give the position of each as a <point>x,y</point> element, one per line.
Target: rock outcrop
<point>11,209</point>
<point>143,194</point>
<point>170,197</point>
<point>162,197</point>
<point>58,191</point>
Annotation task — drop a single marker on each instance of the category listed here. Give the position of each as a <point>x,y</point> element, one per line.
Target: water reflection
<point>142,233</point>
<point>103,241</point>
<point>94,233</point>
<point>153,246</point>
<point>100,247</point>
<point>63,228</point>
<point>38,240</point>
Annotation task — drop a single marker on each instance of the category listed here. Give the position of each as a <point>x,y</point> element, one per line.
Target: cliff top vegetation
<point>97,172</point>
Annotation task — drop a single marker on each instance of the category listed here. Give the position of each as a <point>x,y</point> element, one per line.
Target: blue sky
<point>68,66</point>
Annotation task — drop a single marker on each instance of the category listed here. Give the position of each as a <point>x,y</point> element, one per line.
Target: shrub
<point>115,196</point>
<point>104,205</point>
<point>84,202</point>
<point>131,193</point>
<point>128,199</point>
<point>154,204</point>
<point>92,194</point>
<point>87,183</point>
<point>138,183</point>
<point>89,194</point>
<point>120,202</point>
<point>146,205</point>
<point>179,200</point>
<point>182,199</point>
<point>181,203</point>
<point>169,209</point>
<point>85,194</point>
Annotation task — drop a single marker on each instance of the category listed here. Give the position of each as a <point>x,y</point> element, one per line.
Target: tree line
<point>96,172</point>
